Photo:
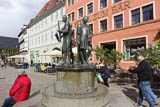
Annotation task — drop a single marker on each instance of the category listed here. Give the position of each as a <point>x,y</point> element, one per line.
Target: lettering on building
<point>121,7</point>
<point>104,13</point>
<point>99,15</point>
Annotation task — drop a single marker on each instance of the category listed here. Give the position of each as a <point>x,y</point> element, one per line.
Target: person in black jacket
<point>105,73</point>
<point>144,81</point>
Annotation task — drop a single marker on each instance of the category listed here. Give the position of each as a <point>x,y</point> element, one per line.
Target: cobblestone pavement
<point>130,89</point>
<point>121,95</point>
<point>39,80</point>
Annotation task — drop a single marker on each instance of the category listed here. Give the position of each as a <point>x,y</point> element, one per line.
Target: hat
<point>21,71</point>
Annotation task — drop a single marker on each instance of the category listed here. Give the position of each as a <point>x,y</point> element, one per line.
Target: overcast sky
<point>15,13</point>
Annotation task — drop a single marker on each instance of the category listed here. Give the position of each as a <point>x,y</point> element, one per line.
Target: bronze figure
<point>84,41</point>
<point>66,33</point>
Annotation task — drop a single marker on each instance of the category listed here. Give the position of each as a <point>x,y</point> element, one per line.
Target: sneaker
<point>137,105</point>
<point>156,103</point>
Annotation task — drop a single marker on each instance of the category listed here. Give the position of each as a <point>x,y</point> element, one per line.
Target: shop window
<point>148,12</point>
<point>115,1</point>
<point>135,16</point>
<point>118,21</point>
<point>80,11</point>
<point>91,28</point>
<point>103,25</point>
<point>131,44</point>
<point>90,8</point>
<point>72,16</point>
<point>103,4</point>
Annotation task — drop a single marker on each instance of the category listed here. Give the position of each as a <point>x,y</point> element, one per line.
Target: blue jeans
<point>9,102</point>
<point>147,93</point>
<point>140,97</point>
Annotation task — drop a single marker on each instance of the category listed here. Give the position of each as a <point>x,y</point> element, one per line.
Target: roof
<point>8,42</point>
<point>47,6</point>
<point>22,31</point>
<point>48,9</point>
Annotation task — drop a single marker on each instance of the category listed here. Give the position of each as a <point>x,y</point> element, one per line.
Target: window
<point>61,12</point>
<point>103,4</point>
<point>135,16</point>
<point>148,12</point>
<point>42,38</point>
<point>52,35</point>
<point>35,40</point>
<point>80,11</point>
<point>46,21</point>
<point>118,21</point>
<point>52,18</point>
<point>42,24</point>
<point>72,16</point>
<point>46,38</point>
<point>103,25</point>
<point>39,39</point>
<point>35,27</point>
<point>69,17</point>
<point>72,2</point>
<point>115,1</point>
<point>91,28</point>
<point>69,3</point>
<point>90,8</point>
<point>56,15</point>
<point>38,25</point>
<point>130,45</point>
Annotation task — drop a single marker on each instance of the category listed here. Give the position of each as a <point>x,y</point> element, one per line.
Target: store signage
<point>121,7</point>
<point>99,15</point>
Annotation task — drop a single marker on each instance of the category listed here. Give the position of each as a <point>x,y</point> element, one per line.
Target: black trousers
<point>106,82</point>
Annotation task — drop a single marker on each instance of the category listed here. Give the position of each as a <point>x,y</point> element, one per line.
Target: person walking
<point>144,74</point>
<point>2,63</point>
<point>20,91</point>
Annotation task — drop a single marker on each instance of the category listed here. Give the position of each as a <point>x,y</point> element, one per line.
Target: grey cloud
<point>5,4</point>
<point>17,13</point>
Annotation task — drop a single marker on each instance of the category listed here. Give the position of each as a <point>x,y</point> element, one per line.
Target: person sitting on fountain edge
<point>20,91</point>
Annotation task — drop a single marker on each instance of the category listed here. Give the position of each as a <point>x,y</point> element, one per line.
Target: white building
<point>26,41</point>
<point>42,29</point>
<point>23,41</point>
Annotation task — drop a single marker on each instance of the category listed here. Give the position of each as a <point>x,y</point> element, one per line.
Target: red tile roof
<point>47,6</point>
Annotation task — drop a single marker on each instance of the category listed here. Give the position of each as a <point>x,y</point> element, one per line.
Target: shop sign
<point>121,7</point>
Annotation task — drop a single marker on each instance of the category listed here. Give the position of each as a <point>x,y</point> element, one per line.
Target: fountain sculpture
<point>75,85</point>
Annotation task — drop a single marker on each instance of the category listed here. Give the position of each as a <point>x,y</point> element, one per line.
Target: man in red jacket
<point>20,91</point>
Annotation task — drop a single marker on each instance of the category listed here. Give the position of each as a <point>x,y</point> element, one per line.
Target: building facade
<point>118,24</point>
<point>42,29</point>
<point>8,47</point>
<point>23,42</point>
